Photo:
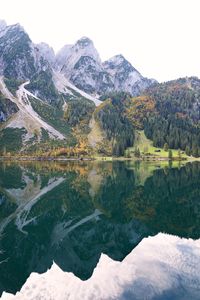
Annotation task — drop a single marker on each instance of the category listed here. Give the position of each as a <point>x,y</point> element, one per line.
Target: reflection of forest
<point>72,212</point>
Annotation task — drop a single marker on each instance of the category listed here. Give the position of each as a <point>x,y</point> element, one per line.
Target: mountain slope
<point>64,86</point>
<point>16,53</point>
<point>176,119</point>
<point>21,60</point>
<point>169,113</point>
<point>26,117</point>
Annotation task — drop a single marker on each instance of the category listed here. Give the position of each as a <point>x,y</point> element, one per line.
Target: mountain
<point>72,53</point>
<point>81,64</point>
<point>125,77</point>
<point>19,57</point>
<point>21,60</point>
<point>74,104</point>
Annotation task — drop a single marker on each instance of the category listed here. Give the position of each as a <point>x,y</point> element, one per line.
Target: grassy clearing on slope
<point>146,146</point>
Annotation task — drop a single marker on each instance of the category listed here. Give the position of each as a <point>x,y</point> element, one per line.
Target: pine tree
<point>195,151</point>
<point>137,152</point>
<point>179,154</point>
<point>128,154</point>
<point>166,147</point>
<point>170,155</point>
<point>4,151</point>
<point>188,150</point>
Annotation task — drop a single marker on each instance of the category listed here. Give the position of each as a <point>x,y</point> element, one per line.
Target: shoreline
<point>96,158</point>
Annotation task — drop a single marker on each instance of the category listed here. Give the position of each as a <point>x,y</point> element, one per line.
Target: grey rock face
<point>89,76</point>
<point>19,57</point>
<point>47,52</point>
<point>22,60</point>
<point>82,65</point>
<point>126,78</point>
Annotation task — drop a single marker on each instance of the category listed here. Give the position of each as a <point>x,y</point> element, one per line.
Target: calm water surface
<point>72,212</point>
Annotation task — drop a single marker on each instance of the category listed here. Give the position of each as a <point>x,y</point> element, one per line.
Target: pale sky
<point>161,38</point>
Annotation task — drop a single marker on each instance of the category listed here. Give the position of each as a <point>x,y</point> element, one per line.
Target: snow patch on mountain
<point>160,267</point>
<point>26,117</point>
<point>65,86</point>
<point>84,94</point>
<point>61,83</point>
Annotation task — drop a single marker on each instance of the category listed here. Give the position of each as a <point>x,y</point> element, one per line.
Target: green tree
<point>188,150</point>
<point>170,155</point>
<point>166,147</point>
<point>128,154</point>
<point>179,154</point>
<point>4,151</point>
<point>195,152</point>
<point>137,152</point>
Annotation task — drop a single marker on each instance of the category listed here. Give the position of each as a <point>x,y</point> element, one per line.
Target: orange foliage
<point>138,109</point>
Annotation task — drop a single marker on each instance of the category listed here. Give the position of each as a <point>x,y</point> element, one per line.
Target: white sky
<point>161,38</point>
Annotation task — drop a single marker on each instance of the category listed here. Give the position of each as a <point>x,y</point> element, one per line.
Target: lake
<point>72,212</point>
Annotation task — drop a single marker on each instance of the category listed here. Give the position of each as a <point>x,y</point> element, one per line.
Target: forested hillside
<point>176,118</point>
<point>168,112</point>
<point>113,120</point>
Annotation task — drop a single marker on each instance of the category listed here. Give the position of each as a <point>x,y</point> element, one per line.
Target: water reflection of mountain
<point>71,213</point>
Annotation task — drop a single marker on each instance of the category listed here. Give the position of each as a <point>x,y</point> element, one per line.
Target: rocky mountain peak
<point>2,25</point>
<point>16,28</point>
<point>47,52</point>
<point>119,63</point>
<point>81,53</point>
<point>84,42</point>
<point>126,78</point>
<point>85,47</point>
<point>117,59</point>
